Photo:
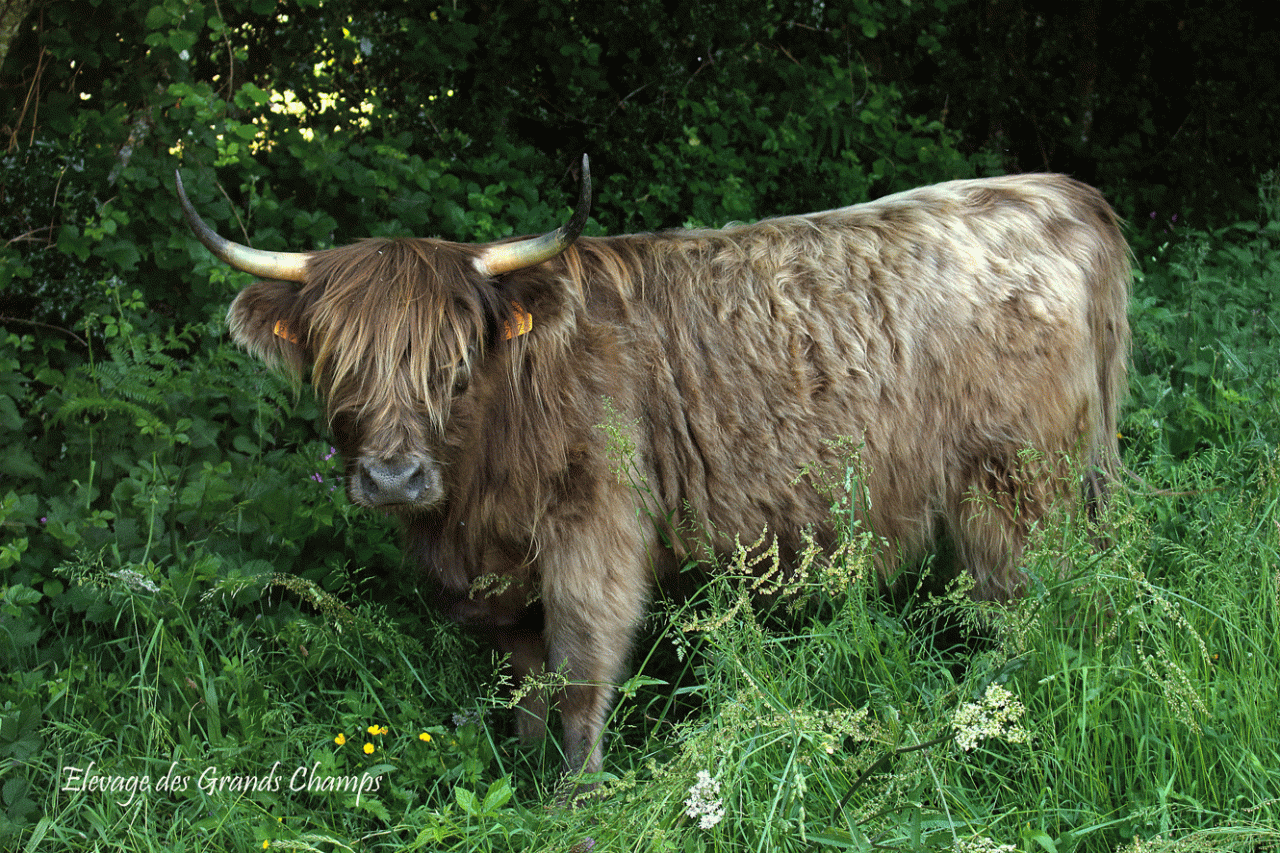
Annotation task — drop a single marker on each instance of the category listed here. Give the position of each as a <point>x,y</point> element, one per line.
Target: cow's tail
<point>1110,323</point>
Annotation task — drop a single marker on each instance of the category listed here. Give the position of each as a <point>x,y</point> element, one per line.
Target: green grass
<point>184,590</point>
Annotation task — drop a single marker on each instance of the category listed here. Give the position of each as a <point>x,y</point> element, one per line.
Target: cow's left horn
<point>508,257</point>
<point>277,266</point>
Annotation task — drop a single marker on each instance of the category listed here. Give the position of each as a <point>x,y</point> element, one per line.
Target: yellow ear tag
<point>524,322</point>
<point>282,331</point>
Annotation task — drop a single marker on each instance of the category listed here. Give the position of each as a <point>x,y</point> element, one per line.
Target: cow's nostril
<point>368,484</point>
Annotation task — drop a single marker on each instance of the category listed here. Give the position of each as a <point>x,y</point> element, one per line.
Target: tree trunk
<point>12,14</point>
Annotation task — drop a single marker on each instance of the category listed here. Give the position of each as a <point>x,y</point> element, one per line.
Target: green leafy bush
<point>1206,338</point>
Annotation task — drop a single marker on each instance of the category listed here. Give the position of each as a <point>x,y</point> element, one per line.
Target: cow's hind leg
<point>991,516</point>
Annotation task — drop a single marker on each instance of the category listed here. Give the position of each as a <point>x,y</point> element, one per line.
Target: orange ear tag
<point>524,322</point>
<point>282,331</point>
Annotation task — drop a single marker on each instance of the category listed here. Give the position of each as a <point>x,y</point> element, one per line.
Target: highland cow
<point>945,330</point>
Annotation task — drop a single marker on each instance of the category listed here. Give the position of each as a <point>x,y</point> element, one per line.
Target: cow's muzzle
<point>403,480</point>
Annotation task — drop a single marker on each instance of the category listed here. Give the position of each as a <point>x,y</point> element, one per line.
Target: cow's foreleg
<point>594,597</point>
<point>528,653</point>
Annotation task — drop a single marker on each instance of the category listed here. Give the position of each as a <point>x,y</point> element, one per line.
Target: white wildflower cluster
<point>982,844</point>
<point>703,803</point>
<point>136,580</point>
<point>997,715</point>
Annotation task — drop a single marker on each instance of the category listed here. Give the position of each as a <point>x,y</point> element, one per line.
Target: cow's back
<point>945,330</point>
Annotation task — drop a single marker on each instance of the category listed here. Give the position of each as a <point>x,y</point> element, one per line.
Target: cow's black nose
<point>398,480</point>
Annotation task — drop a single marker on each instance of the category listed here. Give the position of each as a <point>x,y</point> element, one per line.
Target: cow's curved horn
<point>507,257</point>
<point>277,266</point>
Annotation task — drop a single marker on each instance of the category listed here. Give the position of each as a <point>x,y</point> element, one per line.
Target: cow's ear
<point>265,319</point>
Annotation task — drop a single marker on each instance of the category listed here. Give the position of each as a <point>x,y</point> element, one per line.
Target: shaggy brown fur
<point>947,329</point>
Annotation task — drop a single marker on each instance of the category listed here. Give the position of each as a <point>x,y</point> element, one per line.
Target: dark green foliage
<point>300,127</point>
<point>1159,102</point>
<point>1207,343</point>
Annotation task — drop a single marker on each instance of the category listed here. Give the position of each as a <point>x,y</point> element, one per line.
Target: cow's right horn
<point>502,258</point>
<point>277,266</point>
